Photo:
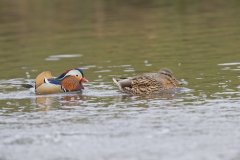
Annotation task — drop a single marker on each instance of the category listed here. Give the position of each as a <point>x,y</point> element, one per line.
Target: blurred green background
<point>190,37</point>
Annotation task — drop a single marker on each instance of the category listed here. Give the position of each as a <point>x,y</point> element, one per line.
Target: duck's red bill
<point>84,80</point>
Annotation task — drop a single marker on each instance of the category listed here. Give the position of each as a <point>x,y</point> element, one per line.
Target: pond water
<point>198,40</point>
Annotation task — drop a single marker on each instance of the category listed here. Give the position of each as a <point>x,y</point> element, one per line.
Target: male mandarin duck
<point>70,80</point>
<point>148,83</point>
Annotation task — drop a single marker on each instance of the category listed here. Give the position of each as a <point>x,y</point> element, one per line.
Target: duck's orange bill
<point>84,80</point>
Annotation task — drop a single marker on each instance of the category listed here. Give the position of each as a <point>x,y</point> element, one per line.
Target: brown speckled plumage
<point>148,83</point>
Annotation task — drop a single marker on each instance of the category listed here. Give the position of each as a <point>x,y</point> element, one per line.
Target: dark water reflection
<point>198,40</point>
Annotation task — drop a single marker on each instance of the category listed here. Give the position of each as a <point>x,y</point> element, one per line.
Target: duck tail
<point>27,86</point>
<point>117,83</point>
<point>122,83</point>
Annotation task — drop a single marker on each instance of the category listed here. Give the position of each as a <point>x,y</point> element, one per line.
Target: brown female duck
<point>148,83</point>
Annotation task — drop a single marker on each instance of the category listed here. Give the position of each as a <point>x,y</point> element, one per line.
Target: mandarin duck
<point>148,83</point>
<point>70,80</point>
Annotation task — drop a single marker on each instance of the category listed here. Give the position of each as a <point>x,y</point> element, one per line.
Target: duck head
<point>169,75</point>
<point>76,72</point>
<point>72,80</point>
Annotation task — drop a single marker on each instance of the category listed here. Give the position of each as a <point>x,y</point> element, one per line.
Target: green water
<point>198,40</point>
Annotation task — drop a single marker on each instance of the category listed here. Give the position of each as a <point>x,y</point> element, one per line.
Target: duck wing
<point>144,84</point>
<point>40,79</point>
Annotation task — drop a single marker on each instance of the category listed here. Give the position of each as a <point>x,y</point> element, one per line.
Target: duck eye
<point>77,75</point>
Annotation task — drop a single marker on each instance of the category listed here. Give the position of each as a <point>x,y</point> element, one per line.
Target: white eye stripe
<point>74,73</point>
